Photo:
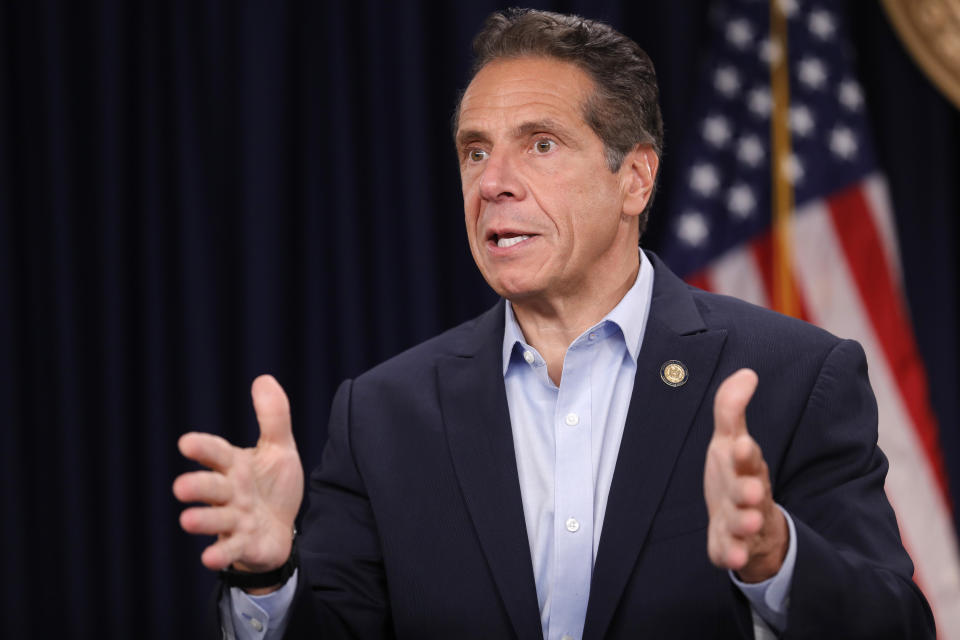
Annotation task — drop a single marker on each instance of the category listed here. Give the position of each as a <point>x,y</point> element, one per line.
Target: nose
<point>500,179</point>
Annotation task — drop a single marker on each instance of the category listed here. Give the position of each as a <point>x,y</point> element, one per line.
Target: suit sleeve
<point>853,578</point>
<point>342,591</point>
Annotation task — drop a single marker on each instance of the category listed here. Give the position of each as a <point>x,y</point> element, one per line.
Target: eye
<point>544,145</point>
<point>476,155</point>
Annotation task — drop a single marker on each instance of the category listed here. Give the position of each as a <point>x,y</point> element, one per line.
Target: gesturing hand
<point>253,494</point>
<point>747,531</point>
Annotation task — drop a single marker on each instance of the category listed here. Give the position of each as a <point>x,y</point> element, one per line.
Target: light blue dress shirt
<point>566,440</point>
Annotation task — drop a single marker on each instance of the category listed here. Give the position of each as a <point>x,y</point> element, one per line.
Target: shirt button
<point>528,356</point>
<point>256,624</point>
<point>593,336</point>
<point>573,419</point>
<point>572,525</point>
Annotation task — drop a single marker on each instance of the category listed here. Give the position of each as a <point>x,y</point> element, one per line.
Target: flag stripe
<point>862,246</point>
<point>878,199</point>
<point>827,281</point>
<point>736,274</point>
<point>762,248</point>
<point>701,280</point>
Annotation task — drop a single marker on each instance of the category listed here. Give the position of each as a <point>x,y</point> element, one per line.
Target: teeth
<point>509,242</point>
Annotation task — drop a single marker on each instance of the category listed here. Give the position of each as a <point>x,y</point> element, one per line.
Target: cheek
<point>597,216</point>
<point>469,179</point>
<point>471,202</point>
<point>556,197</point>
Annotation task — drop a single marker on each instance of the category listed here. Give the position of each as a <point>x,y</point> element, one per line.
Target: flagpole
<point>784,296</point>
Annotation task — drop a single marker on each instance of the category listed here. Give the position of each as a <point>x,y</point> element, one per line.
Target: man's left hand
<point>747,532</point>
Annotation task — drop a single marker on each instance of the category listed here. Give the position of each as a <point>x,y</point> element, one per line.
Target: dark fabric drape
<point>193,193</point>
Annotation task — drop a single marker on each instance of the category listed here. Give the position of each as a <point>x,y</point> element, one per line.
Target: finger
<point>273,410</point>
<point>209,520</point>
<point>744,523</point>
<point>207,449</point>
<point>203,486</point>
<point>726,551</point>
<point>747,492</point>
<point>736,555</point>
<point>222,553</point>
<point>730,403</point>
<point>747,456</point>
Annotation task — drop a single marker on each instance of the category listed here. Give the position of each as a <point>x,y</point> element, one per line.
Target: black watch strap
<point>248,580</point>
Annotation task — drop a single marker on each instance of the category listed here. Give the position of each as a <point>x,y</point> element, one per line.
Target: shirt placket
<point>573,515</point>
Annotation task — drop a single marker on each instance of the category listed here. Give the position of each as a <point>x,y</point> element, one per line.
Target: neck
<point>551,325</point>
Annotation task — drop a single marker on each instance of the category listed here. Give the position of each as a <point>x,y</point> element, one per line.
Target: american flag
<point>815,238</point>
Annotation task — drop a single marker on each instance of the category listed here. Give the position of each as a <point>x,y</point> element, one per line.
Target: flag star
<point>692,228</point>
<point>843,143</point>
<point>741,201</point>
<point>850,94</point>
<point>801,120</point>
<point>792,169</point>
<point>769,51</point>
<point>726,80</point>
<point>739,33</point>
<point>716,130</point>
<point>704,179</point>
<point>812,72</point>
<point>822,24</point>
<point>789,7</point>
<point>750,150</point>
<point>760,102</point>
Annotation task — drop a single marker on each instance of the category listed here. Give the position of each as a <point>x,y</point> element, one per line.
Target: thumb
<point>273,411</point>
<point>730,403</point>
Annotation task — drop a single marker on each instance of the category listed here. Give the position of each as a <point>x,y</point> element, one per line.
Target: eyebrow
<point>471,135</point>
<point>520,131</point>
<point>527,128</point>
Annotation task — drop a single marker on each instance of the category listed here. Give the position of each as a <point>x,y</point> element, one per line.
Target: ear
<point>637,175</point>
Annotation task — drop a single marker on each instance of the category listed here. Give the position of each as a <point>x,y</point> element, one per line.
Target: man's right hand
<point>253,494</point>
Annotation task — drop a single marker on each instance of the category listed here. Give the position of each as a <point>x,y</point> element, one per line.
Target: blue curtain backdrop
<point>196,192</point>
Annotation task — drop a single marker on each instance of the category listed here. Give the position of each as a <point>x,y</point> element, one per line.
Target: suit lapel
<point>477,421</point>
<point>657,423</point>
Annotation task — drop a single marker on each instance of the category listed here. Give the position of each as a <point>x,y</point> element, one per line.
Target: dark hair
<point>623,110</point>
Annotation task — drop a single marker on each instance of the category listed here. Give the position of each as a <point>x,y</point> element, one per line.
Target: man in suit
<point>575,463</point>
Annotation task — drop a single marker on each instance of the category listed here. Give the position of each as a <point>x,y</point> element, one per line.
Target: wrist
<point>261,582</point>
<point>264,591</point>
<point>769,555</point>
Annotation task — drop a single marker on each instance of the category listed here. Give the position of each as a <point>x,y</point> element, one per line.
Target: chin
<point>514,292</point>
<point>513,284</point>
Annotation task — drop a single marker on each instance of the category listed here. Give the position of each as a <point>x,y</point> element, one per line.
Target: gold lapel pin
<point>674,373</point>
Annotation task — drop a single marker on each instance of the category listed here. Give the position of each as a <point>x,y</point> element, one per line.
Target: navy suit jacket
<point>415,527</point>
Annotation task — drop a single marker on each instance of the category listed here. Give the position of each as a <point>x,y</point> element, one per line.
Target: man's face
<point>544,213</point>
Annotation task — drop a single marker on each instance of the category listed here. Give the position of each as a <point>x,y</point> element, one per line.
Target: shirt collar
<point>630,315</point>
<point>511,335</point>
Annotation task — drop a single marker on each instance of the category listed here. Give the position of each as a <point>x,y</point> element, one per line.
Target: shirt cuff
<point>771,598</point>
<point>261,617</point>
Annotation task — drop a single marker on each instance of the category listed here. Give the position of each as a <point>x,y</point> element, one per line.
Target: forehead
<point>506,92</point>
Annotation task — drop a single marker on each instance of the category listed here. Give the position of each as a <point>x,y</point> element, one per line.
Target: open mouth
<point>508,239</point>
